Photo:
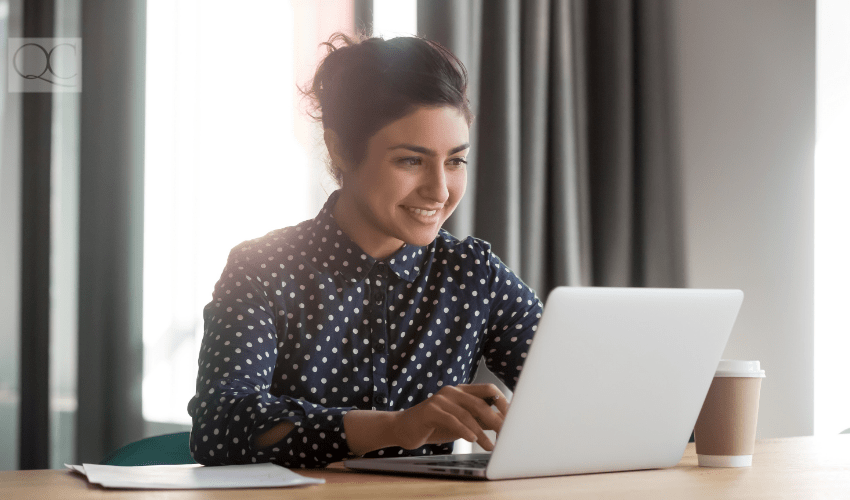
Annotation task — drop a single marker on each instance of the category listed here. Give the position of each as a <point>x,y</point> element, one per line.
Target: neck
<point>354,223</point>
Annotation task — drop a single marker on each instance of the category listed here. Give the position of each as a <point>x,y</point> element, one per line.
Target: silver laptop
<point>614,381</point>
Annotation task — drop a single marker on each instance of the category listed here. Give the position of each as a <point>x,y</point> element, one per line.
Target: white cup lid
<point>738,368</point>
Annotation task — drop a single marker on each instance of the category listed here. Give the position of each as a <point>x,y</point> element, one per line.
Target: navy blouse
<point>304,326</point>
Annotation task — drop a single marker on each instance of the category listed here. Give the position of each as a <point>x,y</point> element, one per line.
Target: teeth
<point>419,211</point>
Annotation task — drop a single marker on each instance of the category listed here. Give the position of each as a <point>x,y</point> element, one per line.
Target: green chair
<point>167,449</point>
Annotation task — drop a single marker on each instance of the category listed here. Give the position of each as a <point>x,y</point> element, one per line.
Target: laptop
<point>614,381</point>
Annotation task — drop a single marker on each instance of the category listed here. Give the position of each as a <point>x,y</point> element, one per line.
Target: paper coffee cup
<point>725,431</point>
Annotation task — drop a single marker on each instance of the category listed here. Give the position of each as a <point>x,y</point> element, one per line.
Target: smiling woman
<point>319,334</point>
<point>396,119</point>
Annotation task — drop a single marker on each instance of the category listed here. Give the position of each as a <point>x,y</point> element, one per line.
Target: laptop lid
<point>614,380</point>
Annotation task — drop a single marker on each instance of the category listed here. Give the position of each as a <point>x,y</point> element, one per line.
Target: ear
<point>334,146</point>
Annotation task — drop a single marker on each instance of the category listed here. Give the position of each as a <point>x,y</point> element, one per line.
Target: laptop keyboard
<point>461,461</point>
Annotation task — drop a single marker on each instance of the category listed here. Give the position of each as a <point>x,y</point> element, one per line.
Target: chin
<point>421,240</point>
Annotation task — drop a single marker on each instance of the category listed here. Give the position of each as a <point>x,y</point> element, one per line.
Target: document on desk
<point>193,476</point>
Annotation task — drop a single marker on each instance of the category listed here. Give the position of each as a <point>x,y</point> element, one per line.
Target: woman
<point>318,335</point>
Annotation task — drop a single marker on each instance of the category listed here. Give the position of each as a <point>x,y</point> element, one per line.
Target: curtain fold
<point>574,176</point>
<point>499,150</point>
<point>36,141</point>
<point>112,128</point>
<point>453,24</point>
<point>658,148</point>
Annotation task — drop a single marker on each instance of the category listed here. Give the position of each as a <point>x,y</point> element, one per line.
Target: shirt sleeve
<point>515,311</point>
<point>232,405</point>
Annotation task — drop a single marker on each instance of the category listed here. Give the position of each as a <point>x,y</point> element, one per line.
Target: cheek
<point>391,180</point>
<point>457,185</point>
<point>381,186</point>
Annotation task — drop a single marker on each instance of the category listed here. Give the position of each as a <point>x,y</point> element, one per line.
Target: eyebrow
<point>426,151</point>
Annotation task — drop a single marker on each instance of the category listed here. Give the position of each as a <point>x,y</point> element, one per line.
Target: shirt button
<point>379,297</point>
<point>380,399</point>
<point>382,268</point>
<point>380,347</point>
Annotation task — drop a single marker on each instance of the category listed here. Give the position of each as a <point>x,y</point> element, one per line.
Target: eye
<point>457,162</point>
<point>410,161</point>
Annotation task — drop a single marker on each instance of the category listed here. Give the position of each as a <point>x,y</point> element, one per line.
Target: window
<point>394,18</point>
<point>832,242</point>
<point>229,156</point>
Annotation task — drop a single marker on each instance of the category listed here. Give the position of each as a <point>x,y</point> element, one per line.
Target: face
<point>410,182</point>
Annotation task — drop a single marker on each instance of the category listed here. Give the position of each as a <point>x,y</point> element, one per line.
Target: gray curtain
<point>36,118</point>
<point>112,126</point>
<point>574,176</point>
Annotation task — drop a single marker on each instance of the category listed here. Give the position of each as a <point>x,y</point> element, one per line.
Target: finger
<point>469,420</point>
<point>489,392</point>
<point>482,412</point>
<point>485,443</point>
<point>449,416</point>
<point>480,409</point>
<point>500,402</point>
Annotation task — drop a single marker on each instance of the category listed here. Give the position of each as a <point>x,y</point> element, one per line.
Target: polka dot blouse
<point>304,327</point>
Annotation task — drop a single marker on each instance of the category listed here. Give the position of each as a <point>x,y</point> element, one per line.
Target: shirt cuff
<point>317,440</point>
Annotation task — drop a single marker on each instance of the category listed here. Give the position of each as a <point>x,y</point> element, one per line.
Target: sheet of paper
<point>193,476</point>
<point>76,468</point>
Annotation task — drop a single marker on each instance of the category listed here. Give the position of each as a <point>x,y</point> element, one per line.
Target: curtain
<point>36,114</point>
<point>574,177</point>
<point>112,106</point>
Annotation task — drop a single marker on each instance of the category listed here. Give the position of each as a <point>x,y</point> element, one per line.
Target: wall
<point>747,91</point>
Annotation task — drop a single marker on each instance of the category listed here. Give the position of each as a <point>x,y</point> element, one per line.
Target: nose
<point>435,186</point>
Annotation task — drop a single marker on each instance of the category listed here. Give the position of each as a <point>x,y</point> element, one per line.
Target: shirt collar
<point>337,253</point>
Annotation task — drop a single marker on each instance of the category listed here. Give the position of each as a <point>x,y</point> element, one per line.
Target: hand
<point>452,413</point>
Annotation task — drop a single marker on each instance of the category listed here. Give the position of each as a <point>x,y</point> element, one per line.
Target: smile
<point>420,211</point>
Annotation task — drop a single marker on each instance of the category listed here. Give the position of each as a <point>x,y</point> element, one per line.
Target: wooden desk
<point>804,467</point>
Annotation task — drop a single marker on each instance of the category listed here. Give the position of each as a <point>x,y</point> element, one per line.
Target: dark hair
<point>364,84</point>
